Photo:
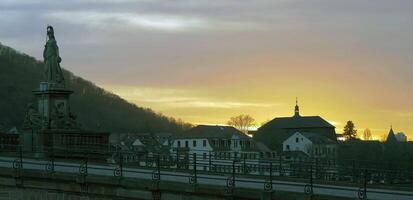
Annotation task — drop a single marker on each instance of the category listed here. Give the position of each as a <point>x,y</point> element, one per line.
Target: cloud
<point>154,21</point>
<point>124,19</point>
<point>180,98</point>
<point>247,54</point>
<point>221,104</point>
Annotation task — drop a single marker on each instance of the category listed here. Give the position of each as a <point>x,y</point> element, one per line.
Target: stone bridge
<point>41,179</point>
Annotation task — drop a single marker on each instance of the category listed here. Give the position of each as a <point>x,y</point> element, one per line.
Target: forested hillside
<point>96,109</point>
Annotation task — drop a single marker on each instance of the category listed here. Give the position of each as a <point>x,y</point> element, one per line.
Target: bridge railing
<point>197,169</point>
<point>319,170</point>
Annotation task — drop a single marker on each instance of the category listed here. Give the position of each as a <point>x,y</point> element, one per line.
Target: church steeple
<point>297,109</point>
<point>391,138</point>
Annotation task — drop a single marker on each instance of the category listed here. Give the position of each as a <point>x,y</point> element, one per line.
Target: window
<point>296,140</point>
<point>287,147</point>
<point>194,143</point>
<point>204,143</point>
<point>179,143</point>
<point>186,144</point>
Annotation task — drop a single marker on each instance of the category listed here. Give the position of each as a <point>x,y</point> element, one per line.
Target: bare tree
<point>367,134</point>
<point>242,122</point>
<point>383,137</point>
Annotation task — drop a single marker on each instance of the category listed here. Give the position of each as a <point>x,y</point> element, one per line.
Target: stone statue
<point>52,59</point>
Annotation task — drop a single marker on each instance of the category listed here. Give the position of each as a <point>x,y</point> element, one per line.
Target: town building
<point>401,137</point>
<point>391,137</point>
<point>141,149</point>
<point>216,148</point>
<point>312,145</point>
<point>276,131</point>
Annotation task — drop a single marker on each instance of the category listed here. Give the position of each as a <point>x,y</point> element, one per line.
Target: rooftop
<point>297,122</point>
<point>208,131</point>
<point>317,138</point>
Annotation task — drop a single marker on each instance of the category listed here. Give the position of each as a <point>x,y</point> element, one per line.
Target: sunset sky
<point>205,61</point>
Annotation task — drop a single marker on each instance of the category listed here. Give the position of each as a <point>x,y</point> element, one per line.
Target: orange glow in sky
<point>205,61</point>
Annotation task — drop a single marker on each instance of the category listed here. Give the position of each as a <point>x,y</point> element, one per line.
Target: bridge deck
<point>227,181</point>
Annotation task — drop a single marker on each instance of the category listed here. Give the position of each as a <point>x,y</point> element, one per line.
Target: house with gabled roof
<point>310,144</point>
<point>219,144</point>
<point>276,131</point>
<point>143,148</point>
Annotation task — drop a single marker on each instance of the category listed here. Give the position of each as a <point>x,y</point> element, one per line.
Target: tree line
<point>96,108</point>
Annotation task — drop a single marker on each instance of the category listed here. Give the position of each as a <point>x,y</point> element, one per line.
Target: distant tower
<point>391,138</point>
<point>297,109</point>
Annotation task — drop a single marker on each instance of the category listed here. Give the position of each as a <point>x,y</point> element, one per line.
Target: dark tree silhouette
<point>95,108</point>
<point>349,132</point>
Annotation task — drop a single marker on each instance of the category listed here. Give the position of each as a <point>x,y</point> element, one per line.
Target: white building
<point>142,148</point>
<point>217,147</point>
<point>401,137</point>
<point>311,144</point>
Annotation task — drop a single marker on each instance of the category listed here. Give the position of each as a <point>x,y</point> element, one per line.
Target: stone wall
<point>32,185</point>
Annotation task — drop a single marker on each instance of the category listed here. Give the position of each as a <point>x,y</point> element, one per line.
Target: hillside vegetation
<point>96,109</point>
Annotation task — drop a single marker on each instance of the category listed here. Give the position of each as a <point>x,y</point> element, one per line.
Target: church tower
<point>297,109</point>
<point>391,138</point>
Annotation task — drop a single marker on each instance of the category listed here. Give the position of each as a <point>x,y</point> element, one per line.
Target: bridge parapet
<point>94,179</point>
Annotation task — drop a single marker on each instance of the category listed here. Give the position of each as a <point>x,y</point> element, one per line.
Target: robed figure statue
<point>52,59</point>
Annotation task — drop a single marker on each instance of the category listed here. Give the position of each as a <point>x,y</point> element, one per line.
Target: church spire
<point>391,138</point>
<point>297,109</point>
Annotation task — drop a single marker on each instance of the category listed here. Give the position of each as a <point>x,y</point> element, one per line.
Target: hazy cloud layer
<point>239,56</point>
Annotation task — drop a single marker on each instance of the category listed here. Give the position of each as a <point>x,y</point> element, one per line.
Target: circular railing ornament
<point>230,185</point>
<point>155,176</point>
<point>17,164</point>
<point>192,179</point>
<point>230,182</point>
<point>361,194</point>
<point>83,170</point>
<point>308,189</point>
<point>117,172</point>
<point>49,167</point>
<point>268,185</point>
